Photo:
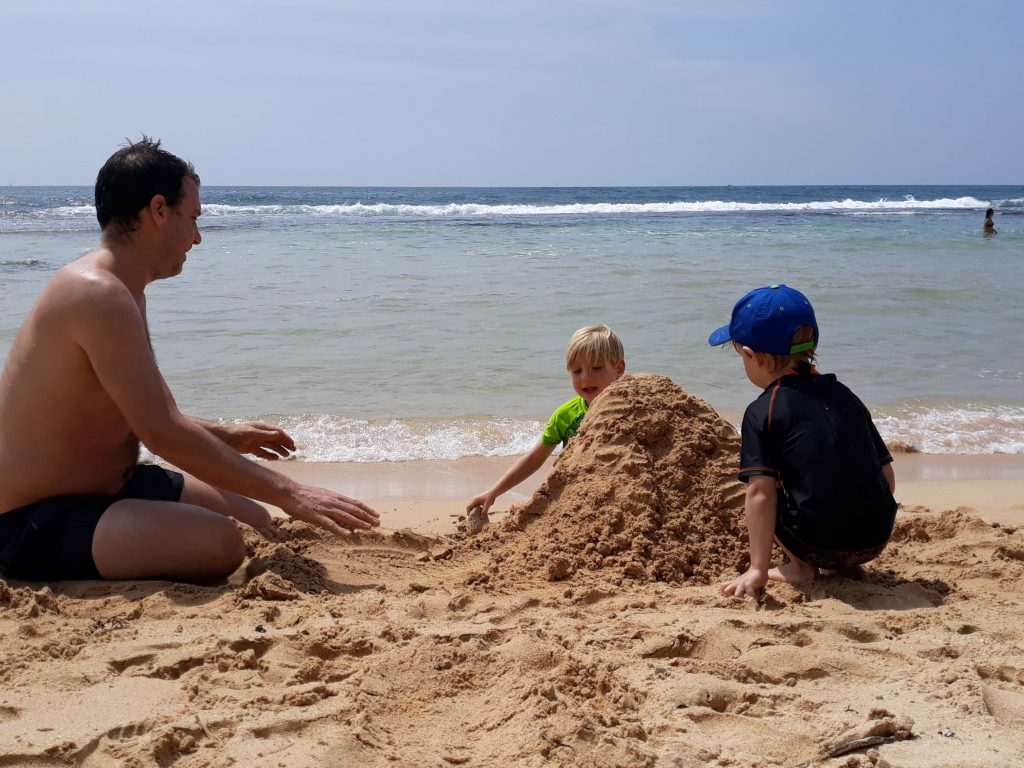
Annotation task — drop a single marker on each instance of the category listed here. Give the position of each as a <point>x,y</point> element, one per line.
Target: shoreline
<point>429,496</point>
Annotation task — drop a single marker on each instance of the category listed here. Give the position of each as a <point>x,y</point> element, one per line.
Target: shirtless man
<point>81,388</point>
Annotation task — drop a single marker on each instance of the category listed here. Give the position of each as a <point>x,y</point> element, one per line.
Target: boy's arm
<point>760,511</point>
<point>525,466</point>
<point>890,476</point>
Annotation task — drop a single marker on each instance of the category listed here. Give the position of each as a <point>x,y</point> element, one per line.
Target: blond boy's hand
<point>749,584</point>
<point>484,500</point>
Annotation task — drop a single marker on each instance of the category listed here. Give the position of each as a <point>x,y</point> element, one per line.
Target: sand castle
<point>646,491</point>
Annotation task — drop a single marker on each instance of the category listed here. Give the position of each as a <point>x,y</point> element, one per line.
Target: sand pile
<point>645,491</point>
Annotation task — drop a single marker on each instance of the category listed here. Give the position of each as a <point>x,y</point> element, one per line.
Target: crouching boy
<point>819,477</point>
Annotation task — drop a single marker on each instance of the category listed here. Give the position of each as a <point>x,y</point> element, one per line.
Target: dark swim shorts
<point>823,558</point>
<point>51,540</point>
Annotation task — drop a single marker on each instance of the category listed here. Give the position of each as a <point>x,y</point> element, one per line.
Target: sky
<point>518,93</point>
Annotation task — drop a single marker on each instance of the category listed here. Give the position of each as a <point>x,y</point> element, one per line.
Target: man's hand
<point>331,511</point>
<point>750,584</point>
<point>263,440</point>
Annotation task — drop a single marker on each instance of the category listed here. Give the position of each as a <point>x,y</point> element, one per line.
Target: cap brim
<point>719,337</point>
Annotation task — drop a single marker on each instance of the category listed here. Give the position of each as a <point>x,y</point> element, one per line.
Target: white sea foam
<point>330,438</point>
<point>69,211</point>
<point>323,438</point>
<point>907,205</point>
<point>972,429</point>
<point>466,210</point>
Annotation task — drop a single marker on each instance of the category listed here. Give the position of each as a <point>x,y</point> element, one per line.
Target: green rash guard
<point>564,422</point>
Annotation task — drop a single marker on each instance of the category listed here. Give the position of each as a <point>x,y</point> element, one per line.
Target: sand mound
<point>948,525</point>
<point>645,491</point>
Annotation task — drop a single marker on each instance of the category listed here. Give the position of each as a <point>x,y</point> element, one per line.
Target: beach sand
<point>583,627</point>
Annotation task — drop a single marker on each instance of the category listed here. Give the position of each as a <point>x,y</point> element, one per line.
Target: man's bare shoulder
<point>87,282</point>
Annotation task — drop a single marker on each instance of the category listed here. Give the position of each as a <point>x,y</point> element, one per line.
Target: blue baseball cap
<point>766,319</point>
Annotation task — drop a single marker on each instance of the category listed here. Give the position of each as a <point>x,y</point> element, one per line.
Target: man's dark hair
<point>132,176</point>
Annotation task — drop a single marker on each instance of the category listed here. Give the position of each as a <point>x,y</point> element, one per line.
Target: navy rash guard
<point>810,432</point>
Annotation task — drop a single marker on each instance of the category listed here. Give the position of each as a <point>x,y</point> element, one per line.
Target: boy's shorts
<point>833,561</point>
<point>877,528</point>
<point>51,539</point>
<point>823,558</point>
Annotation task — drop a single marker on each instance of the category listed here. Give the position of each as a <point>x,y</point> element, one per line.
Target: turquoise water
<point>384,324</point>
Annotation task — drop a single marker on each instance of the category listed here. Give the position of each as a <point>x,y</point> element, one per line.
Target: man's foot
<point>794,572</point>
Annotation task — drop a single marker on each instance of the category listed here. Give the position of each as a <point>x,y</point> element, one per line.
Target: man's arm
<point>890,476</point>
<point>109,326</point>
<point>263,440</point>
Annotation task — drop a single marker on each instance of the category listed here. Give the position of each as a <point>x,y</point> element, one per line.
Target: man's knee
<point>245,510</point>
<point>259,516</point>
<point>225,547</point>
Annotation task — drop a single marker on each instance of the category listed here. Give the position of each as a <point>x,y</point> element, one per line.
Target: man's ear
<point>748,353</point>
<point>620,368</point>
<point>157,208</point>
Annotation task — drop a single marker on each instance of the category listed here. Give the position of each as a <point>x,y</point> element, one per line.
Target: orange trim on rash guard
<point>771,402</point>
<point>775,391</point>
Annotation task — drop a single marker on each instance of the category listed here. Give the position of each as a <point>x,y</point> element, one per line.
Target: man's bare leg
<point>200,494</point>
<point>138,539</point>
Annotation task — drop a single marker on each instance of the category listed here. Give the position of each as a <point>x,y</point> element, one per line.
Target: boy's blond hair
<point>594,343</point>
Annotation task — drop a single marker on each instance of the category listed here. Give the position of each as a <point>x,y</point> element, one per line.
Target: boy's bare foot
<point>793,572</point>
<point>855,572</point>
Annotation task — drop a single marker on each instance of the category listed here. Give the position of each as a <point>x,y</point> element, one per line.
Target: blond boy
<point>594,358</point>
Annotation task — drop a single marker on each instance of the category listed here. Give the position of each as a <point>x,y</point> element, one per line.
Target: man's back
<point>60,433</point>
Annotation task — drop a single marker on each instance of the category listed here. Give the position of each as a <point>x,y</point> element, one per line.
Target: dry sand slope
<point>585,630</point>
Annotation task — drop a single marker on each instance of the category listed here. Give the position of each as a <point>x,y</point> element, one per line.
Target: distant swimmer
<point>990,227</point>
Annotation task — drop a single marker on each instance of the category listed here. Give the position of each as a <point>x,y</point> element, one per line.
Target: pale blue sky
<point>562,92</point>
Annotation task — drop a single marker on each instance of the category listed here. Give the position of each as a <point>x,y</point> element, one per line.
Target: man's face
<point>183,231</point>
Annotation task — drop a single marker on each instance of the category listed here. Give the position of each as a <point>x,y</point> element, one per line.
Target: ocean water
<point>383,324</point>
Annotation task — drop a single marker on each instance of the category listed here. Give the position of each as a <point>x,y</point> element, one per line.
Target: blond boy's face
<point>591,378</point>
